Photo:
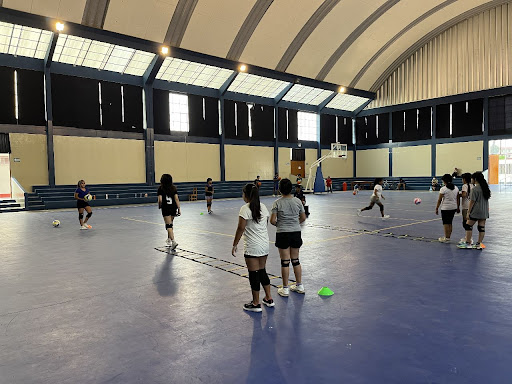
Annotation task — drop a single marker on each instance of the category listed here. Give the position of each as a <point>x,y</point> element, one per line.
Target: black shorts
<point>169,211</point>
<point>447,215</point>
<point>254,257</point>
<point>82,204</point>
<point>285,240</point>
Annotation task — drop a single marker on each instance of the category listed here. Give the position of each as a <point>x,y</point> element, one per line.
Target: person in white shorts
<point>375,199</point>
<point>252,224</point>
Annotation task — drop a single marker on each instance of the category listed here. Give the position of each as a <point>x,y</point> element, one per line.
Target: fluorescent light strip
<point>16,114</point>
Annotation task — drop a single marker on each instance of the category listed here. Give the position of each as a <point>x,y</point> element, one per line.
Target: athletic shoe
<point>478,246</point>
<point>168,242</point>
<point>210,212</point>
<point>358,212</point>
<point>385,217</point>
<point>88,226</point>
<point>463,241</point>
<point>252,308</point>
<point>443,240</point>
<point>83,227</point>
<point>285,292</point>
<point>464,245</point>
<point>173,245</point>
<point>299,288</point>
<point>269,303</point>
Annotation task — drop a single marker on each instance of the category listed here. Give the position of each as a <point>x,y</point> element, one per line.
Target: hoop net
<point>339,150</point>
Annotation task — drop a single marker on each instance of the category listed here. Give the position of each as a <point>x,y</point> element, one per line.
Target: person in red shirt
<point>328,183</point>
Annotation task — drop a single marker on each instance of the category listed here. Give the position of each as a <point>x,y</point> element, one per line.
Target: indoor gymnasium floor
<point>105,306</point>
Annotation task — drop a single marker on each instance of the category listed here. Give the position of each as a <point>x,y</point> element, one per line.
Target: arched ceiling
<point>348,42</point>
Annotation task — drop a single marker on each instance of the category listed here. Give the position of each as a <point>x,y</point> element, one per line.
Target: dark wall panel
<point>133,109</point>
<point>411,125</point>
<point>161,112</point>
<point>31,98</point>
<point>468,123</point>
<point>443,121</point>
<point>199,126</point>
<point>500,115</point>
<point>75,102</point>
<point>242,123</point>
<point>327,129</point>
<point>262,122</point>
<point>291,125</point>
<point>229,119</point>
<point>398,127</point>
<point>383,131</point>
<point>425,123</point>
<point>345,130</point>
<point>7,115</point>
<point>111,106</point>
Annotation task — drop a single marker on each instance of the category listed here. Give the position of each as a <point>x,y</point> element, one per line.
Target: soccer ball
<point>417,201</point>
<point>55,223</point>
<point>88,197</point>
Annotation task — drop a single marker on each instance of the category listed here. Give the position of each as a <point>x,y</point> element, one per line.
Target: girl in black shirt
<point>208,194</point>
<point>169,203</point>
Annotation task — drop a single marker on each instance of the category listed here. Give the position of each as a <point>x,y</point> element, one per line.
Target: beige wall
<point>337,167</point>
<point>372,163</point>
<point>467,156</point>
<point>33,166</point>
<point>284,162</point>
<point>311,157</point>
<point>187,161</point>
<point>246,162</point>
<point>412,161</point>
<point>98,160</point>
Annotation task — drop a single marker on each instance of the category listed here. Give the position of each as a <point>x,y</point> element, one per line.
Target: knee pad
<point>254,280</point>
<point>89,215</point>
<point>285,263</point>
<point>264,280</point>
<point>481,228</point>
<point>466,226</point>
<point>167,226</point>
<point>81,216</point>
<point>295,262</point>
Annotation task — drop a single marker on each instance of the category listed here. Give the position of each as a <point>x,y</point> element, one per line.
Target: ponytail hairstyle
<point>79,182</point>
<point>252,194</point>
<point>167,185</point>
<point>479,177</point>
<point>467,178</point>
<point>448,180</point>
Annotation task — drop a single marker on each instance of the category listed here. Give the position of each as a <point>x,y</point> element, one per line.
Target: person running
<point>287,215</point>
<point>83,204</point>
<point>478,210</point>
<point>276,184</point>
<point>448,201</point>
<point>375,199</point>
<point>208,194</point>
<point>328,184</point>
<point>252,224</point>
<point>257,182</point>
<point>464,203</point>
<point>169,203</point>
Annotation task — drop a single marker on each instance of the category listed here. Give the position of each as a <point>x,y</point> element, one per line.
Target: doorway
<point>500,163</point>
<point>5,176</point>
<point>298,162</point>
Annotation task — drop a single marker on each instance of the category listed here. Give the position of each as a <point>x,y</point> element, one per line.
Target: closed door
<point>298,163</point>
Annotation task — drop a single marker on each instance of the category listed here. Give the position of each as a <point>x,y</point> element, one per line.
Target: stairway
<point>9,206</point>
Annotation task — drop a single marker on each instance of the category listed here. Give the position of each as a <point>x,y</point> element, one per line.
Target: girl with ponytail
<point>449,203</point>
<point>478,210</point>
<point>464,201</point>
<point>252,224</point>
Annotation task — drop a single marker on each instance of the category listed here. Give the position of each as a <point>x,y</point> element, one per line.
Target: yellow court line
<point>367,233</point>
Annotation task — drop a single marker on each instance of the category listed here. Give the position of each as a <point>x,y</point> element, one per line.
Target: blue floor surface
<point>105,306</point>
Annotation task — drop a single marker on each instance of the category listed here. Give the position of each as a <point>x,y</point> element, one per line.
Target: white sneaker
<point>385,217</point>
<point>285,292</point>
<point>299,288</point>
<point>443,240</point>
<point>463,241</point>
<point>173,245</point>
<point>358,211</point>
<point>83,227</point>
<point>168,242</point>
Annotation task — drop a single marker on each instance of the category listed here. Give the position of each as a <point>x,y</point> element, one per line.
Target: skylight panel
<point>188,72</point>
<point>257,86</point>
<point>24,41</point>
<point>307,95</point>
<point>347,102</point>
<point>103,56</point>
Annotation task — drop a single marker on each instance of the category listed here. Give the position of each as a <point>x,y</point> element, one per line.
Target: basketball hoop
<point>339,150</point>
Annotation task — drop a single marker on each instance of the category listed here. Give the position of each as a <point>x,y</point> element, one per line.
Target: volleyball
<point>354,192</point>
<point>55,223</point>
<point>417,201</point>
<point>88,197</point>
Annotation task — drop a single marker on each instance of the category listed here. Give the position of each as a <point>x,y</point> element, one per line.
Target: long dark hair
<point>167,185</point>
<point>253,195</point>
<point>467,178</point>
<point>479,177</point>
<point>448,180</point>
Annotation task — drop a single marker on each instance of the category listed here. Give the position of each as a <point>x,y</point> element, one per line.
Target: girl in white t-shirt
<point>464,203</point>
<point>252,224</point>
<point>449,203</point>
<point>375,199</point>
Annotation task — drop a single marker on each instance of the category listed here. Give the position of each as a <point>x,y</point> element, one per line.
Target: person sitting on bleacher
<point>435,184</point>
<point>401,183</point>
